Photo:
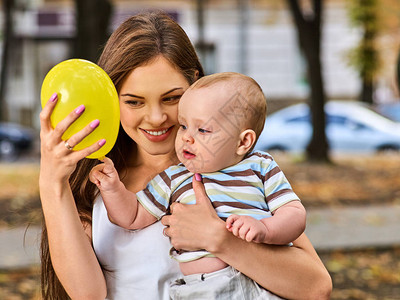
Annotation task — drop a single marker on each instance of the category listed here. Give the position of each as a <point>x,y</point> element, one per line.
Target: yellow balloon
<point>78,81</point>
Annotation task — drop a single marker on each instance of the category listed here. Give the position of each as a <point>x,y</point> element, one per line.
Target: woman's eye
<point>133,103</point>
<point>172,99</point>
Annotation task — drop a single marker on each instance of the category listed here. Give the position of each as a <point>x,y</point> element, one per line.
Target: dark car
<point>14,140</point>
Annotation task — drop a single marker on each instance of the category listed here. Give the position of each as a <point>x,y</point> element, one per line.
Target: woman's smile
<point>157,135</point>
<point>149,98</point>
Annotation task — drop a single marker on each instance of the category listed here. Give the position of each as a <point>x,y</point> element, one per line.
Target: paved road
<point>354,227</point>
<point>19,247</point>
<point>336,228</point>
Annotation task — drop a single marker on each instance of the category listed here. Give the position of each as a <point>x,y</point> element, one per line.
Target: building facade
<point>257,38</point>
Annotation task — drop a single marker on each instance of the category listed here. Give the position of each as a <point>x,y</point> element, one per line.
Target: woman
<point>151,62</point>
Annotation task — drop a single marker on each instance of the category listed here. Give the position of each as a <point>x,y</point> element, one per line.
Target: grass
<point>19,195</point>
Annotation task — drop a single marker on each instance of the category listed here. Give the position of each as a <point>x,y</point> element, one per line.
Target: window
<point>301,119</point>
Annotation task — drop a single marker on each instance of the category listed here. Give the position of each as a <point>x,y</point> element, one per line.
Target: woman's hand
<point>57,158</point>
<point>194,227</point>
<point>81,274</point>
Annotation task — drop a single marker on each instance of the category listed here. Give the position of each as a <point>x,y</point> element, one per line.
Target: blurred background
<point>337,56</point>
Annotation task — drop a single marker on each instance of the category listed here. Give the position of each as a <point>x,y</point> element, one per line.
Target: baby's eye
<point>183,127</point>
<point>204,130</point>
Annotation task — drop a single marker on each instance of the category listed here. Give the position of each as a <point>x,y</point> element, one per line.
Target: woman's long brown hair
<point>134,43</point>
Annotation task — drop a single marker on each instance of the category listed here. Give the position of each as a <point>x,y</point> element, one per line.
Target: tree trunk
<point>7,40</point>
<point>317,149</point>
<point>398,73</point>
<point>92,21</point>
<point>309,35</point>
<point>369,54</point>
<point>365,14</point>
<point>367,91</point>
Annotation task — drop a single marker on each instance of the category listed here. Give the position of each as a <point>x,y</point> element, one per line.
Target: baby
<point>220,117</point>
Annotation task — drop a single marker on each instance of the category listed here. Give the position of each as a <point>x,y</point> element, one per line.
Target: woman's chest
<point>135,262</point>
<point>136,179</point>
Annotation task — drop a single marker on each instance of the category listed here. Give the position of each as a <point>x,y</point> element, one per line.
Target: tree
<point>308,25</point>
<point>7,40</point>
<point>365,58</point>
<point>92,21</point>
<point>398,72</point>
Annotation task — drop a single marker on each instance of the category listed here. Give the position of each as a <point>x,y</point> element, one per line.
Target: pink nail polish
<point>197,176</point>
<point>102,142</point>
<point>80,109</point>
<point>94,124</point>
<point>54,97</point>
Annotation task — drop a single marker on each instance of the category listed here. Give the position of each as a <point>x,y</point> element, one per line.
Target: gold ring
<point>68,146</point>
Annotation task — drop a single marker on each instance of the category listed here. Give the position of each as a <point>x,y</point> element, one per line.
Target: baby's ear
<point>247,139</point>
<point>196,75</point>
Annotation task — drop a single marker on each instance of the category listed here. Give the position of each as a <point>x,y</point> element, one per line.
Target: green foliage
<point>365,57</point>
<point>364,13</point>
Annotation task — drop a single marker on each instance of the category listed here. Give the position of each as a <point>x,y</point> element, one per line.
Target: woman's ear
<point>196,75</point>
<point>247,138</point>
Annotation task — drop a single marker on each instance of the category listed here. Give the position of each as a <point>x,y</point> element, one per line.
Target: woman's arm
<point>72,256</point>
<point>290,272</point>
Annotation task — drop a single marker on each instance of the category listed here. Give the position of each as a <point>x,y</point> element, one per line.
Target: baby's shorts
<point>227,283</point>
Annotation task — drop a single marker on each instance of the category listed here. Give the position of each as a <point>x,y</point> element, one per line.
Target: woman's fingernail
<point>80,109</point>
<point>54,97</point>
<point>102,142</point>
<point>197,176</point>
<point>94,124</point>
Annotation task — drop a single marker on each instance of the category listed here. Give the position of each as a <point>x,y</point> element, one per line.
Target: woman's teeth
<point>157,132</point>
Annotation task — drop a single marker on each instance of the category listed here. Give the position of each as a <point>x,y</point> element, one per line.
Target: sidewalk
<point>328,229</point>
<point>354,227</point>
<point>19,247</point>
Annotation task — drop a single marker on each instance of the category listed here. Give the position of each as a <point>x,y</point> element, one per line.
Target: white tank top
<point>137,263</point>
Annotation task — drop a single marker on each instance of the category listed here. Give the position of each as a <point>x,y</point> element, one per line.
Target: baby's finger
<point>243,231</point>
<point>108,166</point>
<point>230,220</point>
<point>93,174</point>
<point>98,175</point>
<point>250,236</point>
<point>95,181</point>
<point>236,226</point>
<point>46,112</point>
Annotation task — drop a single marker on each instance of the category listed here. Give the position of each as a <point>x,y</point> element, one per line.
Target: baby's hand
<point>105,176</point>
<point>247,228</point>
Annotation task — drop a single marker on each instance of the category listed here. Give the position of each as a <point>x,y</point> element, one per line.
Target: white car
<point>351,127</point>
<point>390,110</point>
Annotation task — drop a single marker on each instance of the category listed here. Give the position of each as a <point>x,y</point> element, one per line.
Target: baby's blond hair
<point>252,98</point>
